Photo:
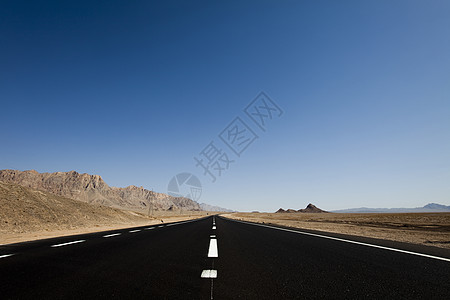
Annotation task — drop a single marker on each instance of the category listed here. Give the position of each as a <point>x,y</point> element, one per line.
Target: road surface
<point>218,258</point>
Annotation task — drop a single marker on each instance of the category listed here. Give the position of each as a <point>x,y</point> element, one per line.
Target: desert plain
<point>431,229</point>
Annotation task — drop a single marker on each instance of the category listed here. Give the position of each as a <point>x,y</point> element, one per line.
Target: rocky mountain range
<point>311,208</point>
<point>92,189</point>
<point>430,207</point>
<point>26,210</point>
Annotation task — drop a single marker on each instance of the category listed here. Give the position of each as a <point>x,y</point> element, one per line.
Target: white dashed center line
<point>69,243</point>
<point>133,231</point>
<point>209,274</point>
<point>161,226</point>
<point>149,228</point>
<point>111,235</point>
<point>6,255</point>
<point>212,252</point>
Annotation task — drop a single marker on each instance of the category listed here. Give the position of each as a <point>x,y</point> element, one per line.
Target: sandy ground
<point>27,214</point>
<point>431,229</point>
<point>9,238</point>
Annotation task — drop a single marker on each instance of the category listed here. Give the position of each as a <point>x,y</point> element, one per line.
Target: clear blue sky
<point>133,90</point>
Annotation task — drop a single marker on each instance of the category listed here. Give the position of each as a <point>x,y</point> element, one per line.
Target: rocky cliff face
<point>92,189</point>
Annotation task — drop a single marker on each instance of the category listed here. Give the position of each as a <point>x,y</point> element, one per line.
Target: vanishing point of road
<point>219,258</point>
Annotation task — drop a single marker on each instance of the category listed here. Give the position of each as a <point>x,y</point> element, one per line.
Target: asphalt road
<point>248,261</point>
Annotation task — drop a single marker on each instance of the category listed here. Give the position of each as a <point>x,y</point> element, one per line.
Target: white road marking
<point>209,274</point>
<point>111,235</point>
<point>148,228</point>
<point>212,252</point>
<point>133,231</point>
<point>185,222</point>
<point>69,243</point>
<point>350,241</point>
<point>214,227</point>
<point>6,255</point>
<point>181,222</point>
<point>212,236</point>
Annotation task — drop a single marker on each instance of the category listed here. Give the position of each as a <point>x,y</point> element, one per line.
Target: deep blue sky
<point>133,90</point>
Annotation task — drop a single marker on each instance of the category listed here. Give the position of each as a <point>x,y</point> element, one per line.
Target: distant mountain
<point>311,208</point>
<point>431,207</point>
<point>207,207</point>
<point>437,207</point>
<point>92,189</point>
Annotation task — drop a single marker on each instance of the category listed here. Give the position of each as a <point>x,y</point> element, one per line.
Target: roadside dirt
<point>27,214</point>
